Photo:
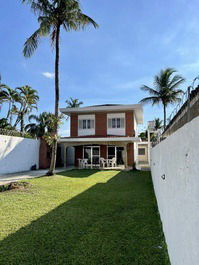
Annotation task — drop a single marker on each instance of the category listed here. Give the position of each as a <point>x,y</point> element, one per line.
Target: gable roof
<point>136,108</point>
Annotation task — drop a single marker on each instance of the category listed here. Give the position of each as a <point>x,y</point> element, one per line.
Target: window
<point>116,123</point>
<point>92,153</point>
<point>141,151</point>
<point>86,124</point>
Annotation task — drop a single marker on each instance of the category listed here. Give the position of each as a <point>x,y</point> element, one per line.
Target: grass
<point>82,217</point>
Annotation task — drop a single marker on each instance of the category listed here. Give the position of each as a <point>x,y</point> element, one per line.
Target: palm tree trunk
<point>165,117</point>
<point>54,146</point>
<point>9,108</point>
<point>22,123</point>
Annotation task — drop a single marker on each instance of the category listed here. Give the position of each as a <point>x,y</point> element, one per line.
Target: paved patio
<point>7,178</point>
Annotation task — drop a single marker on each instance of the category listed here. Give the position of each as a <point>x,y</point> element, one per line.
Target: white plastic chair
<point>113,162</point>
<point>102,162</point>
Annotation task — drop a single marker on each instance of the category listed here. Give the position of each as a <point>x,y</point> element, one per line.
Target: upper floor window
<point>86,124</point>
<point>115,123</point>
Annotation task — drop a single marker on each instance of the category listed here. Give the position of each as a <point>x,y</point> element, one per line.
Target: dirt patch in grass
<point>14,186</point>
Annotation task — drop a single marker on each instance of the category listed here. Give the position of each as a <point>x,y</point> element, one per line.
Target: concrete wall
<point>175,173</point>
<point>18,154</point>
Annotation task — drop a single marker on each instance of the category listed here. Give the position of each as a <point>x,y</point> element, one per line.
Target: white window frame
<point>87,121</point>
<point>115,129</point>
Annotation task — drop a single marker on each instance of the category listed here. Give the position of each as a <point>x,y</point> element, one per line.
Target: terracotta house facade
<point>103,132</point>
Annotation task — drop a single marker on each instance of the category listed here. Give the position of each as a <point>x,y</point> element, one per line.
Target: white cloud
<point>48,75</point>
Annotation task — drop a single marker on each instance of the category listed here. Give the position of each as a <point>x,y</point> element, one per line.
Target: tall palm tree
<point>52,16</point>
<point>73,103</point>
<point>41,125</point>
<point>165,89</point>
<point>28,98</point>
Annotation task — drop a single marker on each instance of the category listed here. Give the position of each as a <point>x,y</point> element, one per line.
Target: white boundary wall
<point>177,158</point>
<point>18,154</point>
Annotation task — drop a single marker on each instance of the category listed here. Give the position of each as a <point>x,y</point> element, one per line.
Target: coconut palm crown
<point>73,103</point>
<point>165,90</point>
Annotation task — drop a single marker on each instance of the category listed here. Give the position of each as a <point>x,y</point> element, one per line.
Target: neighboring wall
<point>175,172</point>
<point>18,154</point>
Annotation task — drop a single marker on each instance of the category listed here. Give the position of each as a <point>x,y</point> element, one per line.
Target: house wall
<point>175,173</point>
<point>74,125</point>
<point>101,125</point>
<point>130,124</point>
<point>18,154</point>
<point>44,155</point>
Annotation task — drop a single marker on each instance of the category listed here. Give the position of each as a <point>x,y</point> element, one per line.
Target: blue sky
<point>108,65</point>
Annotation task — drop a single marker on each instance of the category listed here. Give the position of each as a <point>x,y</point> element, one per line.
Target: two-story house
<point>103,132</point>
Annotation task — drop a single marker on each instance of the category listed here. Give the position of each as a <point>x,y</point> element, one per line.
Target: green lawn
<point>82,217</point>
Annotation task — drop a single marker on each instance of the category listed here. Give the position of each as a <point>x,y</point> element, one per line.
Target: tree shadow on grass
<point>110,223</point>
<point>76,173</point>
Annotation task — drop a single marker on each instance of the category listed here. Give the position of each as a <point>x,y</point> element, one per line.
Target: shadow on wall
<point>111,223</point>
<point>17,154</point>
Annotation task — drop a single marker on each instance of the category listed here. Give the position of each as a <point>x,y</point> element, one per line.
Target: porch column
<point>65,146</point>
<point>125,156</point>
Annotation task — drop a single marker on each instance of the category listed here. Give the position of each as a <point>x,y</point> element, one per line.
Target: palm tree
<point>3,93</point>
<point>158,124</point>
<point>28,98</point>
<point>12,98</point>
<point>165,89</point>
<point>4,124</point>
<point>41,125</point>
<point>52,16</point>
<point>73,103</point>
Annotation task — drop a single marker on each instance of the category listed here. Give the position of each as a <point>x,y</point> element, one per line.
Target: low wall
<point>175,173</point>
<point>18,154</point>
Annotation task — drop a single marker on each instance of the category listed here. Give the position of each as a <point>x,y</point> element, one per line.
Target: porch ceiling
<point>95,140</point>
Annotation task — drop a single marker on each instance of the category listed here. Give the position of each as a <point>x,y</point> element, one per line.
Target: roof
<point>98,140</point>
<point>136,108</point>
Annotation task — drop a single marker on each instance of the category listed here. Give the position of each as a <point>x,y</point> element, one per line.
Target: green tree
<point>73,103</point>
<point>41,124</point>
<point>165,89</point>
<point>158,124</point>
<point>52,16</point>
<point>28,99</point>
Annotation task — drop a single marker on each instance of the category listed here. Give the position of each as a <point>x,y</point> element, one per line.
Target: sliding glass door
<point>117,152</point>
<point>92,153</point>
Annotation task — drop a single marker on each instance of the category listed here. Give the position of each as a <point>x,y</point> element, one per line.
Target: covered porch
<point>102,153</point>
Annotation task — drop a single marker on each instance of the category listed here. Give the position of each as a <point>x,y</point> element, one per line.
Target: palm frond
<point>31,44</point>
<point>153,100</point>
<point>176,84</point>
<point>150,90</point>
<point>85,20</point>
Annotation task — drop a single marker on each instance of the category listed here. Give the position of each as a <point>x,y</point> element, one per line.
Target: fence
<point>185,111</point>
